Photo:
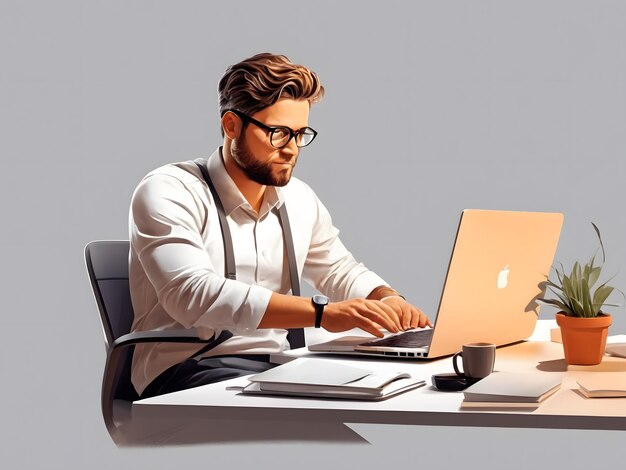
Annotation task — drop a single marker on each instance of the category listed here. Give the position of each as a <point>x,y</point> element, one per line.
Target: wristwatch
<point>319,301</point>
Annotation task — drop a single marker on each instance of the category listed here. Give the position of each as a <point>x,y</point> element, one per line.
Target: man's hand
<point>410,316</point>
<point>369,315</point>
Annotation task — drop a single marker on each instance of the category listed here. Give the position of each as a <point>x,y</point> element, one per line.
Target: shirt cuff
<point>236,311</point>
<point>364,284</point>
<point>253,310</point>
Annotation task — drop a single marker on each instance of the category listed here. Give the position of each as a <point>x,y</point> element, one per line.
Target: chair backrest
<point>107,265</point>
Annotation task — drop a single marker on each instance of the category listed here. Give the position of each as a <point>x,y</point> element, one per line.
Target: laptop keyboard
<point>408,339</point>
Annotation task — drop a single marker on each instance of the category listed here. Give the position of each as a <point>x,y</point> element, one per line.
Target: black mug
<point>478,360</point>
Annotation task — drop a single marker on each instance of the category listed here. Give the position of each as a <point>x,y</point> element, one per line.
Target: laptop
<point>499,260</point>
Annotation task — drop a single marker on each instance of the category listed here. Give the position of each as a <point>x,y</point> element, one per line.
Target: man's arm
<point>332,269</point>
<point>165,230</point>
<point>286,311</point>
<point>166,222</point>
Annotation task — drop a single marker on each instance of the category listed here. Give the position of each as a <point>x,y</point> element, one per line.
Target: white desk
<point>277,416</point>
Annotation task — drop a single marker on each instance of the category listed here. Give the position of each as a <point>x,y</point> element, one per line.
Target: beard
<point>265,173</point>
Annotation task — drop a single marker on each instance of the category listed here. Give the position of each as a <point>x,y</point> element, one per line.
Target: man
<point>177,260</point>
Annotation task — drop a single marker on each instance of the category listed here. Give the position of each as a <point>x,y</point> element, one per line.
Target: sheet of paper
<point>604,381</point>
<point>312,371</point>
<point>616,349</point>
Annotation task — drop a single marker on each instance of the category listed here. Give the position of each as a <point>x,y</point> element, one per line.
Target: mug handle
<point>454,364</point>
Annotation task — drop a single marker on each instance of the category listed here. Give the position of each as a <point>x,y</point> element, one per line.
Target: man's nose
<point>291,149</point>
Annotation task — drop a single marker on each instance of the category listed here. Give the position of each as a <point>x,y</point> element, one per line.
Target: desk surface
<point>567,409</point>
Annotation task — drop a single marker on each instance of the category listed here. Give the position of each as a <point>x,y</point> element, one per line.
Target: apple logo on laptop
<point>503,277</point>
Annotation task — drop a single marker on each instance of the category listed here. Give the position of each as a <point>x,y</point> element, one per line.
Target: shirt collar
<point>229,193</point>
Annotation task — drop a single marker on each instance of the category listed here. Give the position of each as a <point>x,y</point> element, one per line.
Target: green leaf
<point>578,284</point>
<point>556,293</point>
<point>556,290</point>
<point>600,296</point>
<point>586,299</point>
<point>552,285</point>
<point>607,281</point>
<point>574,283</point>
<point>593,258</point>
<point>601,244</point>
<point>558,275</point>
<point>561,274</point>
<point>586,270</point>
<point>558,304</point>
<point>577,308</point>
<point>574,276</point>
<point>568,290</point>
<point>563,299</point>
<point>594,274</point>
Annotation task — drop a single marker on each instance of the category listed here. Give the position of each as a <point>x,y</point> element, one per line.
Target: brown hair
<point>260,81</point>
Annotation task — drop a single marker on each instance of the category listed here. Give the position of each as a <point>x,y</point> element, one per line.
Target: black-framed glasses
<point>281,135</point>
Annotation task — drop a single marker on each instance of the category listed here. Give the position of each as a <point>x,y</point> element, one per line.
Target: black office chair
<point>107,265</point>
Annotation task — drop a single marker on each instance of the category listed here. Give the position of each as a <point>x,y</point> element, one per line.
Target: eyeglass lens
<point>280,137</point>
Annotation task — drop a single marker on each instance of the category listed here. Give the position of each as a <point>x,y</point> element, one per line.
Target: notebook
<point>511,390</point>
<point>309,377</point>
<point>498,261</point>
<point>603,385</point>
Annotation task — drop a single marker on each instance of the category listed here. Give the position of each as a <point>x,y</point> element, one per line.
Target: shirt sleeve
<point>330,267</point>
<point>166,223</point>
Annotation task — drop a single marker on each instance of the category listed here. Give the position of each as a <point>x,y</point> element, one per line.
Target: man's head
<point>260,81</point>
<point>264,103</point>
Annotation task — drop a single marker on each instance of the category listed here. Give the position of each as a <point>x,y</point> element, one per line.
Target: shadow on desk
<point>177,426</point>
<point>559,365</point>
<point>556,365</point>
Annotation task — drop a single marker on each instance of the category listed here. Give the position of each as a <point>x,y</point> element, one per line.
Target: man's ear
<point>231,124</point>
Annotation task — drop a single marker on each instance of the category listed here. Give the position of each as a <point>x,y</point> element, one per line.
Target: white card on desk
<point>616,349</point>
<point>608,384</point>
<point>513,387</point>
<point>312,371</point>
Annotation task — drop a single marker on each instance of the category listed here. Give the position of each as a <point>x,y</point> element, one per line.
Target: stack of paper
<point>603,385</point>
<point>329,379</point>
<point>616,349</point>
<point>511,390</point>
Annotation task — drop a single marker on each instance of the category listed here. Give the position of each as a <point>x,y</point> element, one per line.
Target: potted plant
<point>584,325</point>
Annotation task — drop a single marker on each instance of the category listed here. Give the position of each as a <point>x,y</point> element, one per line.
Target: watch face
<point>320,300</point>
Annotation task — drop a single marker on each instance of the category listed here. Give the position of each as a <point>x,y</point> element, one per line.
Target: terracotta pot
<point>584,339</point>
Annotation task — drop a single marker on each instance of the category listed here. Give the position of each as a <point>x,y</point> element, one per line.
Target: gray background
<point>431,107</point>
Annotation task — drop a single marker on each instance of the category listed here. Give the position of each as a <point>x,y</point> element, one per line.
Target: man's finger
<point>388,313</point>
<point>419,319</point>
<point>407,316</point>
<point>370,311</point>
<point>415,317</point>
<point>395,312</point>
<point>371,327</point>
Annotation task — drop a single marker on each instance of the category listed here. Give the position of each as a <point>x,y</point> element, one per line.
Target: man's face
<point>255,155</point>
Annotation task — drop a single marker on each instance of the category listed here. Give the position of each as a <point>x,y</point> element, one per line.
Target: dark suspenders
<point>295,336</point>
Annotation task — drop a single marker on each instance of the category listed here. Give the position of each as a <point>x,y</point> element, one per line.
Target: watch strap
<point>319,311</point>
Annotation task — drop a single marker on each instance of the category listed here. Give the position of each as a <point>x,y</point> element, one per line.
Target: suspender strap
<point>229,253</point>
<point>295,336</point>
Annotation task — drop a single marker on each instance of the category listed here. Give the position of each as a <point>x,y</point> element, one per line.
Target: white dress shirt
<point>177,262</point>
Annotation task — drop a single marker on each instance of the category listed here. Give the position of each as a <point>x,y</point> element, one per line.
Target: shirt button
<point>264,252</point>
